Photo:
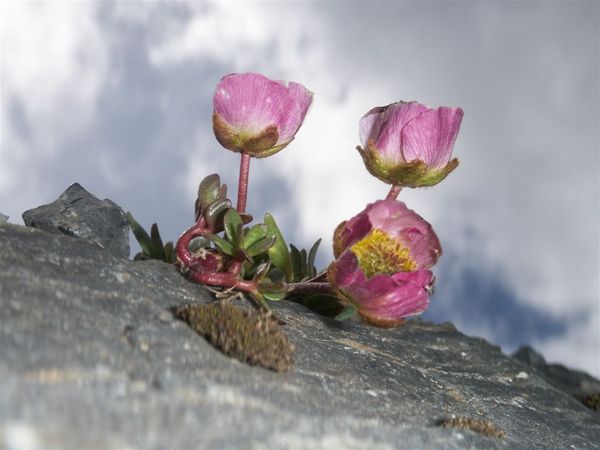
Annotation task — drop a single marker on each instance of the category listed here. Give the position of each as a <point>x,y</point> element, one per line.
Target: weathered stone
<point>3,218</point>
<point>79,214</point>
<point>574,382</point>
<point>90,356</point>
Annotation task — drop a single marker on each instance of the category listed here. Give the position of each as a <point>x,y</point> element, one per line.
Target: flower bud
<point>409,144</point>
<point>258,116</point>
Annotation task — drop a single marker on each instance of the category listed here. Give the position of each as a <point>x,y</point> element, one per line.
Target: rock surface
<point>3,218</point>
<point>79,214</point>
<point>91,356</point>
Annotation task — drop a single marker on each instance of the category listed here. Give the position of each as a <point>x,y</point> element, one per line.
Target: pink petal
<point>290,124</point>
<point>354,230</point>
<point>347,273</point>
<point>370,125</point>
<point>430,136</point>
<point>393,297</point>
<point>251,102</point>
<point>393,121</point>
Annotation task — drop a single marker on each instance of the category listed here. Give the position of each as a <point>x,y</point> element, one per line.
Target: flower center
<point>378,253</point>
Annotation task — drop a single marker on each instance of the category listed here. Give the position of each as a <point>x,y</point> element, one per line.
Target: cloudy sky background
<point>117,96</point>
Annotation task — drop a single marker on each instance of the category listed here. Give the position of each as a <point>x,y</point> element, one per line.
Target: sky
<point>118,97</point>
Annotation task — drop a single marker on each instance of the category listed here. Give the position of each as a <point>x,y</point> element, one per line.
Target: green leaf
<point>261,271</point>
<point>254,234</point>
<point>221,244</point>
<point>208,191</point>
<point>198,243</point>
<point>312,270</point>
<point>234,230</point>
<point>273,291</point>
<point>279,254</point>
<point>158,248</point>
<point>223,192</point>
<point>170,255</point>
<point>296,263</point>
<point>246,218</point>
<point>214,213</point>
<point>303,259</point>
<point>276,275</point>
<point>261,246</point>
<point>346,313</point>
<point>274,297</point>
<point>140,235</point>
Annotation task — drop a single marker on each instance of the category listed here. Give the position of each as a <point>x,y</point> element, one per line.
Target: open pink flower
<point>409,144</point>
<point>382,259</point>
<point>258,116</point>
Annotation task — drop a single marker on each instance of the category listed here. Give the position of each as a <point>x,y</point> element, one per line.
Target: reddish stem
<point>183,244</point>
<point>243,182</point>
<point>394,191</point>
<point>225,280</point>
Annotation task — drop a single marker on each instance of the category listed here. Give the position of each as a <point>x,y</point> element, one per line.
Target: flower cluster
<point>383,255</point>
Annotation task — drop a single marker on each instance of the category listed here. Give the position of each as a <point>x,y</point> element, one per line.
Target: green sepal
<point>411,174</point>
<point>261,246</point>
<point>278,252</point>
<point>221,244</point>
<point>254,234</point>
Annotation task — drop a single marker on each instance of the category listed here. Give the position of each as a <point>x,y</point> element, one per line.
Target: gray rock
<point>3,218</point>
<point>574,382</point>
<point>79,214</point>
<point>90,356</point>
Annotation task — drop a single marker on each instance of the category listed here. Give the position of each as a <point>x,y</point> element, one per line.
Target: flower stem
<point>243,182</point>
<point>394,191</point>
<point>310,288</point>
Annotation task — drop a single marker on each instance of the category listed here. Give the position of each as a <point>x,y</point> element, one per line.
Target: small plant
<point>152,244</point>
<point>383,255</point>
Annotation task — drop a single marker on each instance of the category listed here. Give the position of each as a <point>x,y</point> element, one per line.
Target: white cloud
<point>54,62</point>
<point>579,347</point>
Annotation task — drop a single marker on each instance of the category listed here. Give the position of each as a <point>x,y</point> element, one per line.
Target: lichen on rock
<point>251,337</point>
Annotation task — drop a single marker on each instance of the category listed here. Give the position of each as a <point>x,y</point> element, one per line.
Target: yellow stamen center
<point>378,253</point>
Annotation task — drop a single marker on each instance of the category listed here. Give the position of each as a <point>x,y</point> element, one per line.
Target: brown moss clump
<point>484,427</point>
<point>592,401</point>
<point>251,337</point>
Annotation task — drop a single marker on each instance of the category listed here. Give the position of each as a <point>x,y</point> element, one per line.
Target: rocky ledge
<point>91,355</point>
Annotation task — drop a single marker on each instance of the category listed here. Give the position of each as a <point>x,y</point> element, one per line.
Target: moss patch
<point>251,337</point>
<point>484,427</point>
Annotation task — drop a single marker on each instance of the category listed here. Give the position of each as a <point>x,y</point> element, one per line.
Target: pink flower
<point>409,144</point>
<point>258,116</point>
<point>382,259</point>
